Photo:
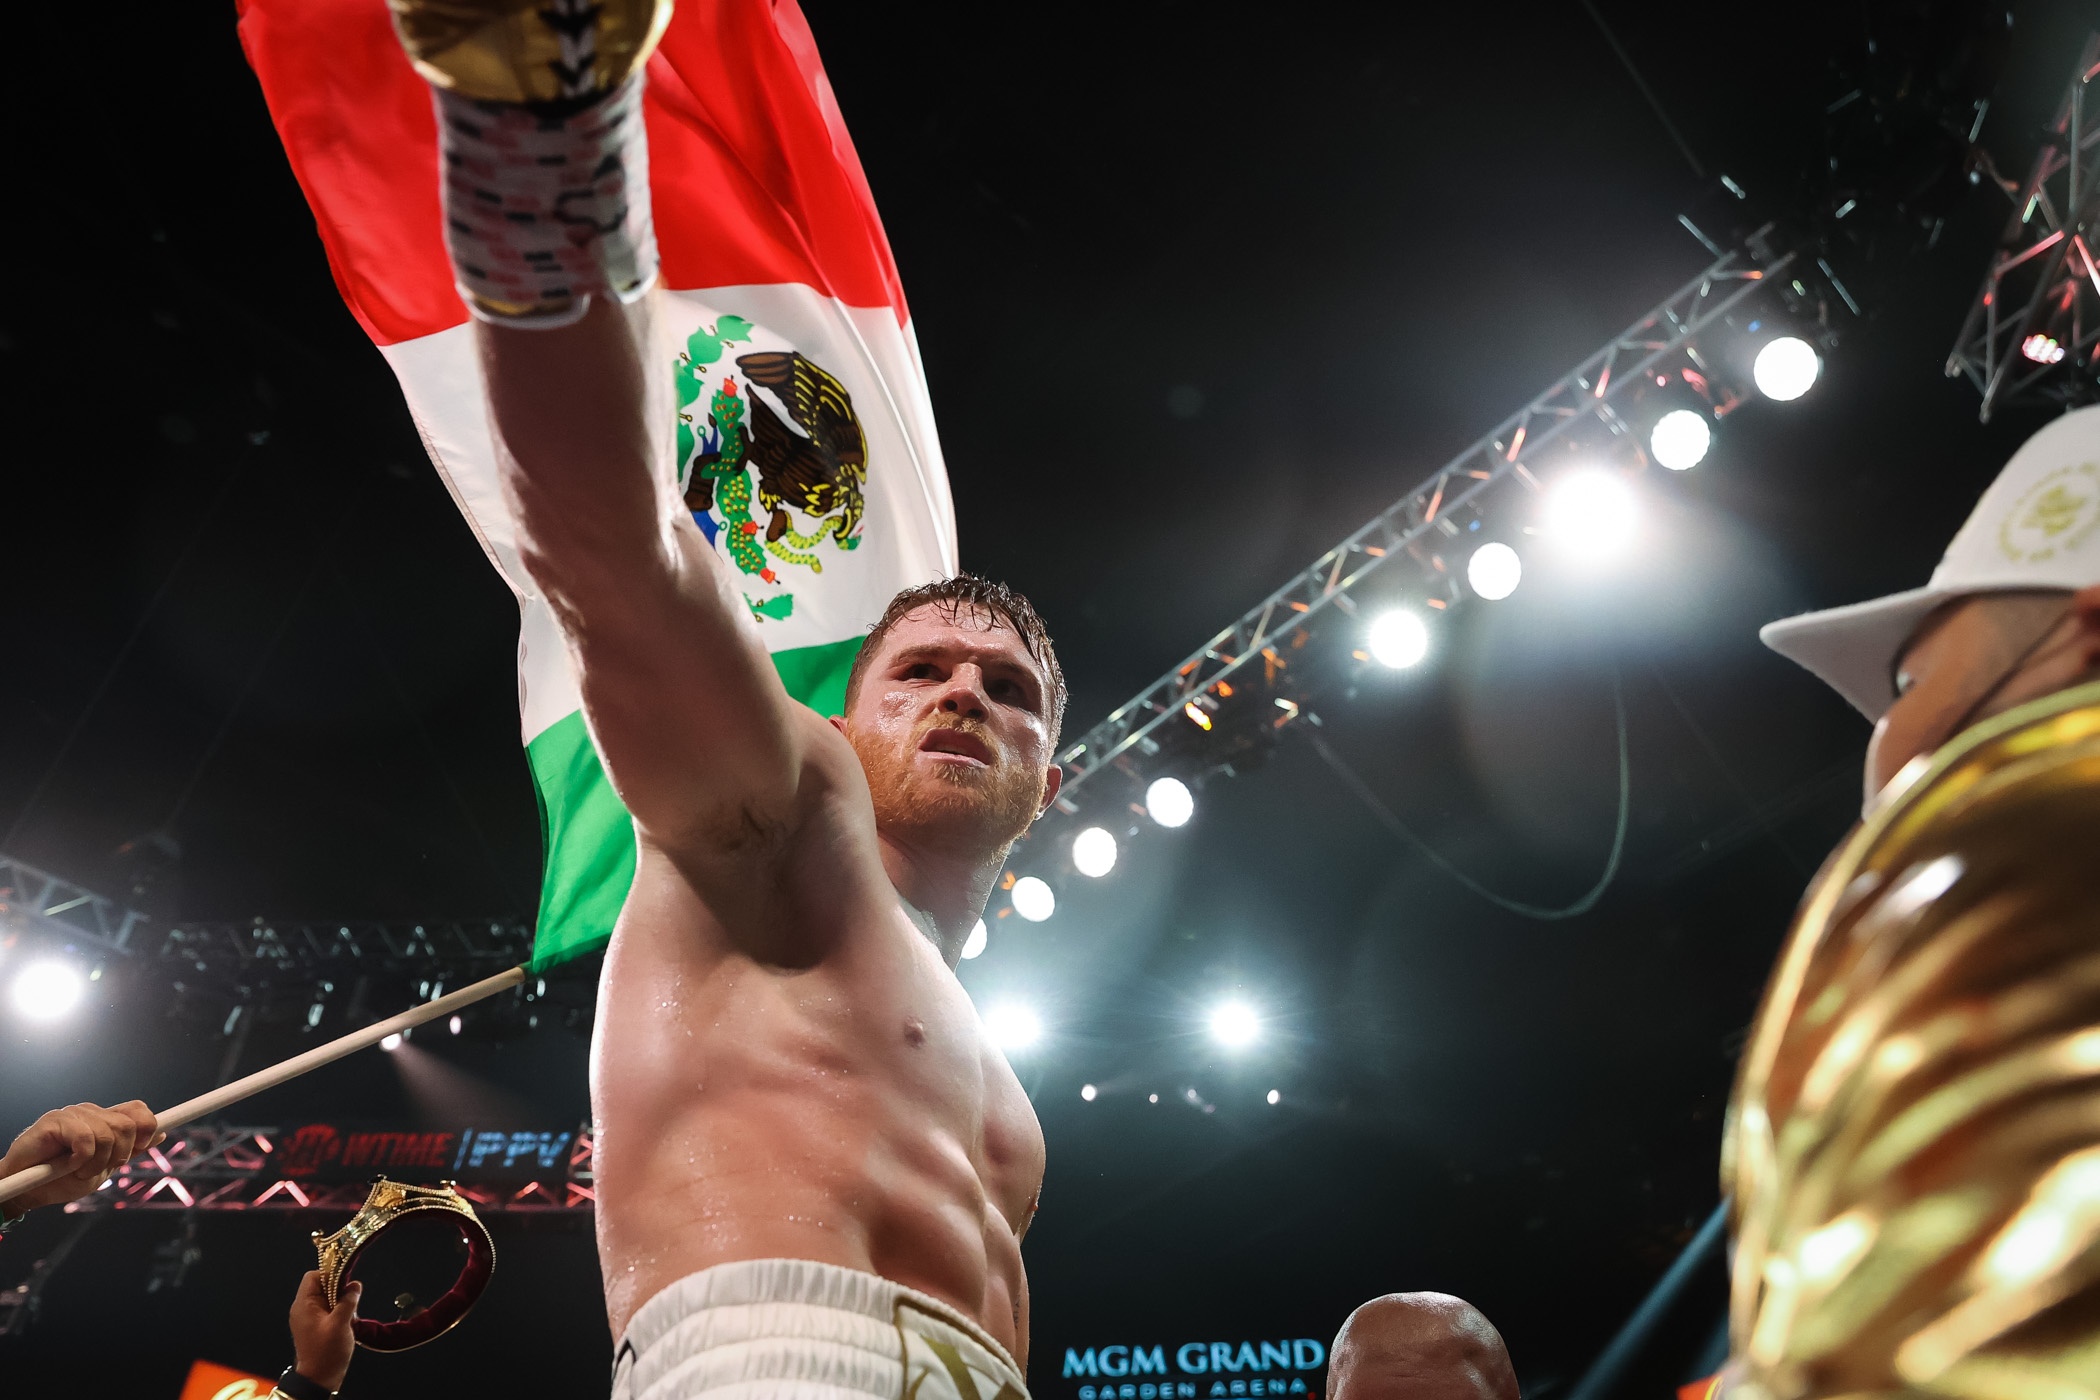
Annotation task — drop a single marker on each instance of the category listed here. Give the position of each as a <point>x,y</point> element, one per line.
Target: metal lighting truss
<point>19,1305</point>
<point>2044,276</point>
<point>222,1168</point>
<point>57,911</point>
<point>1412,526</point>
<point>214,1167</point>
<point>454,948</point>
<point>37,902</point>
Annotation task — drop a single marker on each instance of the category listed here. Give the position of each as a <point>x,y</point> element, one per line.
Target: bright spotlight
<point>1680,439</point>
<point>974,944</point>
<point>1494,571</point>
<point>1089,1092</point>
<point>455,1023</point>
<point>392,1042</point>
<point>47,990</point>
<point>1170,802</point>
<point>1234,1025</point>
<point>1033,900</point>
<point>1275,1097</point>
<point>1592,513</point>
<point>1399,638</point>
<point>2043,349</point>
<point>1013,1026</point>
<point>1151,1098</point>
<point>1786,368</point>
<point>1094,852</point>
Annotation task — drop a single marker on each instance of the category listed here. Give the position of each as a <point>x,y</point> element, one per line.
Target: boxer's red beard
<point>994,804</point>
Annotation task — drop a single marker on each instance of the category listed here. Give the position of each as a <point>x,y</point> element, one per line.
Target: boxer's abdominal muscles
<point>851,1113</point>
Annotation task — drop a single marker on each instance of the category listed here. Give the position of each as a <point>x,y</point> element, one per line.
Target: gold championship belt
<point>388,1203</point>
<point>1914,1142</point>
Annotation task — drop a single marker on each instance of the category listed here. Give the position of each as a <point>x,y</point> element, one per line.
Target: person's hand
<point>321,1338</point>
<point>87,1141</point>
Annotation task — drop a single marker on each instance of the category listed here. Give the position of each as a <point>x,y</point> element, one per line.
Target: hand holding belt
<point>388,1203</point>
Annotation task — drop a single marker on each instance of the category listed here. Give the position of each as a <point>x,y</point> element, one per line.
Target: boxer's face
<point>952,723</point>
<point>1981,656</point>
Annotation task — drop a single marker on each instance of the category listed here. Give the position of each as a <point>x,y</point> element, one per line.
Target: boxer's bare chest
<point>861,1087</point>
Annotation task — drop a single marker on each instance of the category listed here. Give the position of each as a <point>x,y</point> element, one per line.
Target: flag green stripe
<point>585,831</point>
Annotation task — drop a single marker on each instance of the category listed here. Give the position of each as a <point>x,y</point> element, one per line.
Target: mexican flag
<point>805,441</point>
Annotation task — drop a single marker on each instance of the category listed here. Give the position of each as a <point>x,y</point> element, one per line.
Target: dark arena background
<point>1201,290</point>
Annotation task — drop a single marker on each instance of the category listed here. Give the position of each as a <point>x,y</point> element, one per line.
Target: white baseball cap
<point>2037,526</point>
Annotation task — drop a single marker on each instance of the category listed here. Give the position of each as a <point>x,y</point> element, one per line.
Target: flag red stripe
<point>754,177</point>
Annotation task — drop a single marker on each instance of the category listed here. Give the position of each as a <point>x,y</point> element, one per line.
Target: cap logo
<point>2052,516</point>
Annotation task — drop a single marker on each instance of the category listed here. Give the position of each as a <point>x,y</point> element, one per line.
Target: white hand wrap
<point>543,212</point>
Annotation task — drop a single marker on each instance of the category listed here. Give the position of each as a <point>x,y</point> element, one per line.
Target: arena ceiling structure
<point>1200,293</point>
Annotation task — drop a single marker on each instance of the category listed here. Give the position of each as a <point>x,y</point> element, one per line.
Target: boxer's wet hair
<point>977,597</point>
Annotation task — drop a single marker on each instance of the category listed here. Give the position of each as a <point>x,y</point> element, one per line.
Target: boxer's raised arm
<point>698,734</point>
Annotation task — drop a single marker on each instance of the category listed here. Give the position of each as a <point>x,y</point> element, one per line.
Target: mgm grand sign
<point>1193,1370</point>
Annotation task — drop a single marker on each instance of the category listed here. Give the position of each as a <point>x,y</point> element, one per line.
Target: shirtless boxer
<point>813,1169</point>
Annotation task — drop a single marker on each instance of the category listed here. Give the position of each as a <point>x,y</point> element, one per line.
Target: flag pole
<point>204,1105</point>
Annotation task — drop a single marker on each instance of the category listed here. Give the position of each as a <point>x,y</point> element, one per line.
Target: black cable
<point>138,630</point>
<point>262,660</point>
<point>1713,751</point>
<point>1530,911</point>
<point>1653,103</point>
<point>415,715</point>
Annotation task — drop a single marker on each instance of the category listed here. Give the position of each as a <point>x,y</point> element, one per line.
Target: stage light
<point>1094,852</point>
<point>1088,1092</point>
<point>1275,1097</point>
<point>1151,1098</point>
<point>1033,900</point>
<point>455,1023</point>
<point>1170,802</point>
<point>1235,1025</point>
<point>392,1042</point>
<point>2042,349</point>
<point>1197,713</point>
<point>974,944</point>
<point>1592,513</point>
<point>1786,368</point>
<point>1680,439</point>
<point>1013,1026</point>
<point>48,990</point>
<point>1399,638</point>
<point>1494,571</point>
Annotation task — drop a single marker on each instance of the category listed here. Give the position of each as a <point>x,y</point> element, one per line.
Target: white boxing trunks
<point>794,1329</point>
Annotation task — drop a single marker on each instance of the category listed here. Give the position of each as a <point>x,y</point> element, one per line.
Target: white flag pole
<point>204,1105</point>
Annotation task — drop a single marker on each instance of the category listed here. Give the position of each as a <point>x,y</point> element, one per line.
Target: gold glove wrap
<point>1914,1142</point>
<point>388,1202</point>
<point>544,148</point>
<point>529,50</point>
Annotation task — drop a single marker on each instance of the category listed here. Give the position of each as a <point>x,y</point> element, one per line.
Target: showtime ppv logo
<point>1252,1367</point>
<point>323,1149</point>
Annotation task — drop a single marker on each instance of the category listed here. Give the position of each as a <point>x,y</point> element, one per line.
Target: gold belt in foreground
<point>1914,1142</point>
